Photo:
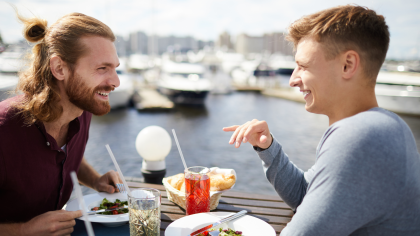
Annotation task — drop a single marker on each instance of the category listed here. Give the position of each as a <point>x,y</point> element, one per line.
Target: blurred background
<point>198,66</point>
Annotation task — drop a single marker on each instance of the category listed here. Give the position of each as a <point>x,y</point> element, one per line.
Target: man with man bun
<point>366,179</point>
<point>44,131</point>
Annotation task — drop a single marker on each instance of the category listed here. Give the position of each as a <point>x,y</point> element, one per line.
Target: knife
<point>224,220</point>
<point>105,210</point>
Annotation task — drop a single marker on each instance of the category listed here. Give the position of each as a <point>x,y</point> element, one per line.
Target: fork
<point>121,188</point>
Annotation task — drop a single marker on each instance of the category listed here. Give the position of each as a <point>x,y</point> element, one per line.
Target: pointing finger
<point>239,138</point>
<point>231,128</point>
<point>235,134</point>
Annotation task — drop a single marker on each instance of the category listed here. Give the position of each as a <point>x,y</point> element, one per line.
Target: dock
<point>286,93</point>
<point>150,99</point>
<point>248,88</point>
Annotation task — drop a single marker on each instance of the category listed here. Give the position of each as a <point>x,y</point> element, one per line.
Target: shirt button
<point>48,144</point>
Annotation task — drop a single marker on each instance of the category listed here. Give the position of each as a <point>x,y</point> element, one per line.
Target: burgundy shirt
<point>34,171</point>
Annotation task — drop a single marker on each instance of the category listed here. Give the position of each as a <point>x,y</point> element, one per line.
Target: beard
<point>84,97</point>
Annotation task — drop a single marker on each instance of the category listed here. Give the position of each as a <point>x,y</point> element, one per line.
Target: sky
<point>206,19</point>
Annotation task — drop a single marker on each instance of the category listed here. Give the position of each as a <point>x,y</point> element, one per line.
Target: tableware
<point>249,225</point>
<point>144,211</point>
<point>126,188</point>
<point>81,203</point>
<point>197,190</point>
<point>178,197</point>
<point>121,188</point>
<point>94,200</point>
<point>219,222</point>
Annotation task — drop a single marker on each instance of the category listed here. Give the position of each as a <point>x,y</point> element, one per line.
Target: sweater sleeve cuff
<point>268,155</point>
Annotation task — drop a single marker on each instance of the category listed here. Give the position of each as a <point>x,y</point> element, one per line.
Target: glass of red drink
<point>197,190</point>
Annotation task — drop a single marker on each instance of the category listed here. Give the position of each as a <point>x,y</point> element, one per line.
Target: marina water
<point>199,130</point>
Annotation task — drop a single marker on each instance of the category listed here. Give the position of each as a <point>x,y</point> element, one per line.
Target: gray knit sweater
<point>366,179</point>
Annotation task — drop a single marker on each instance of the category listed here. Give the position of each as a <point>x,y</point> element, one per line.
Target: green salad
<point>111,205</point>
<point>223,232</point>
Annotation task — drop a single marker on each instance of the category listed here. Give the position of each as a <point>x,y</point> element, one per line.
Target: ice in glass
<point>144,212</point>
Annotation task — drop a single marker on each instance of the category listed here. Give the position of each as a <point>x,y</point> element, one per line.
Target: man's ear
<point>59,68</point>
<point>350,64</point>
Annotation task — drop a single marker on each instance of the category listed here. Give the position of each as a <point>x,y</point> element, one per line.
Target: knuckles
<point>53,228</point>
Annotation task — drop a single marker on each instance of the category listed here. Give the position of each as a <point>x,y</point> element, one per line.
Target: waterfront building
<point>201,44</point>
<point>224,42</point>
<point>246,44</point>
<point>268,43</point>
<point>121,45</point>
<point>276,42</point>
<point>138,43</point>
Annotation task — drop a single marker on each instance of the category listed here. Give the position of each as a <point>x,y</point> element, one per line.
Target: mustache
<point>104,88</point>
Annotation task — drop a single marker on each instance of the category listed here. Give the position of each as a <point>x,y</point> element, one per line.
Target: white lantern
<point>153,143</point>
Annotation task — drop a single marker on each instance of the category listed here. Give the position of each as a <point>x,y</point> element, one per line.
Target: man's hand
<point>107,182</point>
<point>255,132</point>
<point>92,179</point>
<point>51,223</point>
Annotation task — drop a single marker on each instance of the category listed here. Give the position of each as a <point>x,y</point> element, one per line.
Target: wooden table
<point>270,209</point>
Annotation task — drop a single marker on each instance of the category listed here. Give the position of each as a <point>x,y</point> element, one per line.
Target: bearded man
<point>44,131</point>
<point>366,179</point>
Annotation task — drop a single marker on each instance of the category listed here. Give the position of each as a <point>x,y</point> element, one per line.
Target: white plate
<point>95,199</point>
<point>249,225</point>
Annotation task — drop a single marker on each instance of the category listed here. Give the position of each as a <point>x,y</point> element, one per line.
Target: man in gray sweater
<point>366,179</point>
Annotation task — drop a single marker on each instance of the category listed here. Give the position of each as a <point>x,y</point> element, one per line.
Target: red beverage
<point>197,192</point>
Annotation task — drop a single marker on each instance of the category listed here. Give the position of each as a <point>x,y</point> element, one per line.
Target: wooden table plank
<point>145,185</point>
<point>232,194</point>
<point>255,210</point>
<point>253,202</point>
<point>171,207</point>
<point>252,196</point>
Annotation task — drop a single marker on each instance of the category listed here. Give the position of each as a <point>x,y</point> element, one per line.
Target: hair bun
<point>34,29</point>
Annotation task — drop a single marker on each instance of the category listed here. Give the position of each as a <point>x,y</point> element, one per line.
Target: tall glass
<point>144,212</point>
<point>197,190</point>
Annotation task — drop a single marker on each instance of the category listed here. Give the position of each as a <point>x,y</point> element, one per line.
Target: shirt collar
<point>74,128</point>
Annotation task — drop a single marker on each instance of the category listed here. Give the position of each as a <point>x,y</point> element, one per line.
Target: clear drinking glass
<point>144,212</point>
<point>197,190</point>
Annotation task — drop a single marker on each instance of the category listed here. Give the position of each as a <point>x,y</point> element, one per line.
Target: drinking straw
<point>179,149</point>
<point>81,203</point>
<point>118,169</point>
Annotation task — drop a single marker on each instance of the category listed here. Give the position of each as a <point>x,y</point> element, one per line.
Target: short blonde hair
<point>344,28</point>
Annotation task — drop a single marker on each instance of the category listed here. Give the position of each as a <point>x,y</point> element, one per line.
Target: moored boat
<point>184,83</point>
<point>398,92</point>
<point>123,94</point>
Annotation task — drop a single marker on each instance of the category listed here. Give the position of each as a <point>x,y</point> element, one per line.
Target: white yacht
<point>283,65</point>
<point>122,95</point>
<point>399,92</point>
<point>184,83</point>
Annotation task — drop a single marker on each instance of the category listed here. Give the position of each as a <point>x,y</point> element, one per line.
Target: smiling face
<point>94,76</point>
<point>317,78</point>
